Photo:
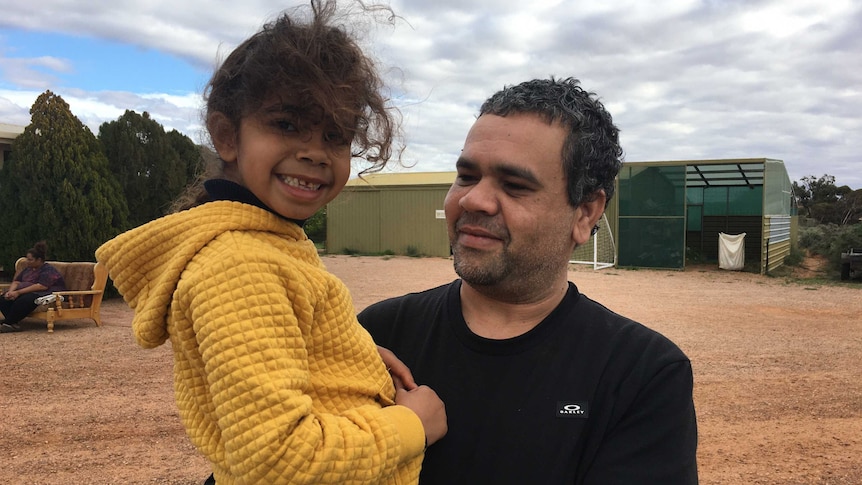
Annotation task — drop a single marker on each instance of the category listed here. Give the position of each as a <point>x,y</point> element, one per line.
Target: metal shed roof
<point>743,172</point>
<point>403,178</point>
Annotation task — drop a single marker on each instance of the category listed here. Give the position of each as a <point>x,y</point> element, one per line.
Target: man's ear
<point>587,215</point>
<point>224,136</point>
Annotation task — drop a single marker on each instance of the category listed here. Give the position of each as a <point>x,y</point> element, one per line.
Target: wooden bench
<point>85,283</point>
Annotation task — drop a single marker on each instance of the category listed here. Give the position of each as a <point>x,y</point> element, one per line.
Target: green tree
<point>315,226</point>
<point>826,202</point>
<point>850,206</point>
<point>57,187</point>
<point>190,154</point>
<point>152,166</point>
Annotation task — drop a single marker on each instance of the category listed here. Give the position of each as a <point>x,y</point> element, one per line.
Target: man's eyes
<point>515,186</point>
<point>464,179</point>
<point>507,185</point>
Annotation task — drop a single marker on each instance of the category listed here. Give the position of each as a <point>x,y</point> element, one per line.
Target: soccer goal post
<point>600,251</point>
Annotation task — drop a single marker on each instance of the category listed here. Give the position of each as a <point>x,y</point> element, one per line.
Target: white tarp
<point>731,251</point>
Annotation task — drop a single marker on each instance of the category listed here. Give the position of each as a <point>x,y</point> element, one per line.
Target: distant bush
<point>315,226</point>
<point>794,258</point>
<point>357,252</point>
<point>413,252</point>
<point>830,240</point>
<point>812,239</point>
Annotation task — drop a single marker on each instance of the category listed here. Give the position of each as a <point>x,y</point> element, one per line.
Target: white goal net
<point>600,251</point>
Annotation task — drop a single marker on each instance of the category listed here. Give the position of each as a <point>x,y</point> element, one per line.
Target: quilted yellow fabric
<point>275,380</point>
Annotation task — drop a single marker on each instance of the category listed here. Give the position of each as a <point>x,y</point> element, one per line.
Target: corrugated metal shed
<point>390,213</point>
<point>662,211</point>
<point>407,179</point>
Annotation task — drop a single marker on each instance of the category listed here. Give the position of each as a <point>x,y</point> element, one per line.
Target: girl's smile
<point>302,184</point>
<point>293,166</point>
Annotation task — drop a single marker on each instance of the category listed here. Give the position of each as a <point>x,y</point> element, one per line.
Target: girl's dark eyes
<point>284,125</point>
<point>335,137</point>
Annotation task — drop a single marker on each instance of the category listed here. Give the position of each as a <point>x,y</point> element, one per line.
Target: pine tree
<point>152,166</point>
<point>190,154</point>
<point>56,187</point>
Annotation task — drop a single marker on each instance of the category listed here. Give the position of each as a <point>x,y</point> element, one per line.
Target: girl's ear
<point>586,216</point>
<point>224,136</point>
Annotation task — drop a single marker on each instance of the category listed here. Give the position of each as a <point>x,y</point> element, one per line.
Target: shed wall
<point>353,222</point>
<point>778,234</point>
<point>398,220</point>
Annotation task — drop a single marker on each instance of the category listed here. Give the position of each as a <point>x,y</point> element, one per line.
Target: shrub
<point>830,240</point>
<point>794,258</point>
<point>413,252</point>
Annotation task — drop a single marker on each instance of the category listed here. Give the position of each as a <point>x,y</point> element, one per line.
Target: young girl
<point>275,380</point>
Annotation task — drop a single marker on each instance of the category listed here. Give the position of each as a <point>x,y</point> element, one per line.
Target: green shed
<point>668,212</point>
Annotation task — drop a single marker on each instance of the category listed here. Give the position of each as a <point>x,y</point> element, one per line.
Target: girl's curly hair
<point>307,60</point>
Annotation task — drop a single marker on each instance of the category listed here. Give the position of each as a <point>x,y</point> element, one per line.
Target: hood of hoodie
<point>145,263</point>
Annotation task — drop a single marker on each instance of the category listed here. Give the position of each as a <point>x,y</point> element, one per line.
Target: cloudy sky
<point>684,79</point>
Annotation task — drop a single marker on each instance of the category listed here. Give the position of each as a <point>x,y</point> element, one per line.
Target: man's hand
<point>401,374</point>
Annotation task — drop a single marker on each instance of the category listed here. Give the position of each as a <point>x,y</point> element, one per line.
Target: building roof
<point>717,173</point>
<point>9,132</point>
<point>403,179</point>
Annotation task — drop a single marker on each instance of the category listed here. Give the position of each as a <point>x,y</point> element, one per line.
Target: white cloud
<point>33,73</point>
<point>683,78</point>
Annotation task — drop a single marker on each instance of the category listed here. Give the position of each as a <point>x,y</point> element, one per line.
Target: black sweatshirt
<point>586,397</point>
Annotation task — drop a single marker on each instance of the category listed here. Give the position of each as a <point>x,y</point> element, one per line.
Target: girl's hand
<point>431,411</point>
<point>401,375</point>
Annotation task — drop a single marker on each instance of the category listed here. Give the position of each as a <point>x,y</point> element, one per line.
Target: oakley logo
<point>573,409</point>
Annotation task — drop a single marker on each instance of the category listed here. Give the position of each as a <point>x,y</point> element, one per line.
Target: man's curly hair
<point>592,156</point>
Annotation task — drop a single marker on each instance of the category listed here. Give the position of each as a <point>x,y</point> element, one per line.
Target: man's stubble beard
<point>477,267</point>
<point>507,275</point>
<point>483,270</point>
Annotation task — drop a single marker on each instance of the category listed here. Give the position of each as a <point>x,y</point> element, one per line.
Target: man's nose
<point>481,197</point>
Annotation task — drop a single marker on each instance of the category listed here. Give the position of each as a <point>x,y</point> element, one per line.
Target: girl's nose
<point>313,148</point>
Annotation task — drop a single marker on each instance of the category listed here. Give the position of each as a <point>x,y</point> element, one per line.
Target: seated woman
<point>37,279</point>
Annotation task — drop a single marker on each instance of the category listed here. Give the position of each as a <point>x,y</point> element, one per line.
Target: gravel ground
<point>776,361</point>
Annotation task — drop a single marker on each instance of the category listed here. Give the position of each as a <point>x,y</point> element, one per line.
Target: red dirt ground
<point>777,377</point>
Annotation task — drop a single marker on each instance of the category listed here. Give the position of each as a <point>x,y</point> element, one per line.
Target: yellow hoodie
<point>275,380</point>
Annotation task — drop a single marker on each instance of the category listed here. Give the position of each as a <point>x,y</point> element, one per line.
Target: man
<point>541,384</point>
